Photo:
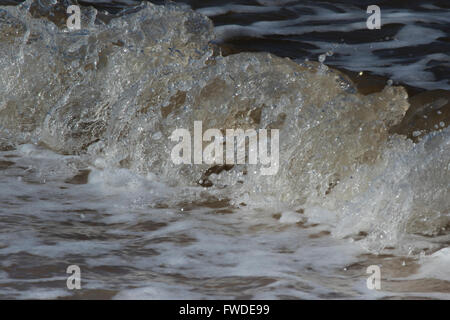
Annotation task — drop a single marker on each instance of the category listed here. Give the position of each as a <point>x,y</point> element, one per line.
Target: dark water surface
<point>412,45</point>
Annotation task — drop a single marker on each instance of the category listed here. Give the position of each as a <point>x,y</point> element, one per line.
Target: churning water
<point>87,179</point>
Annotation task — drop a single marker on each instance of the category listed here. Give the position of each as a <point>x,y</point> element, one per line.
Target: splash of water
<point>115,91</point>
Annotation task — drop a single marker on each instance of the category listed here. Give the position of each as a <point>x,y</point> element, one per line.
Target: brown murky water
<point>135,234</point>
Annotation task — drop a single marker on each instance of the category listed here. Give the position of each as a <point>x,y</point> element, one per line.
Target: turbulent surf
<point>86,118</point>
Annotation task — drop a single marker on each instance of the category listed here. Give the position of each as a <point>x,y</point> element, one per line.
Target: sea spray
<point>115,91</point>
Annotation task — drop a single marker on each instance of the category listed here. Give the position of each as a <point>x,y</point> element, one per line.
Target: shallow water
<point>86,177</point>
<point>128,248</point>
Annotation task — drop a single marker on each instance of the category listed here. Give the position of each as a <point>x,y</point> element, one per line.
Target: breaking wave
<point>115,90</point>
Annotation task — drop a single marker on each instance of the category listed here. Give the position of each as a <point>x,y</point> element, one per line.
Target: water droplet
<point>322,58</point>
<point>157,135</point>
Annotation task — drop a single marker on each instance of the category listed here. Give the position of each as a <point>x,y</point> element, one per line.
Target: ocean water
<point>87,177</point>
